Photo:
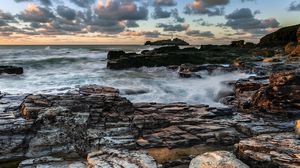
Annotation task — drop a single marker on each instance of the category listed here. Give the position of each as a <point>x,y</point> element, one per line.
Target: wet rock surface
<point>270,150</point>
<point>11,70</point>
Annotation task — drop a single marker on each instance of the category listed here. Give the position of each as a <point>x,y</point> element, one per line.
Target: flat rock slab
<point>271,150</point>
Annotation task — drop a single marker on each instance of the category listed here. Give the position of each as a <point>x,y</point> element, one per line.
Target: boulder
<point>270,150</point>
<point>11,70</point>
<point>280,37</point>
<point>218,159</point>
<point>281,95</point>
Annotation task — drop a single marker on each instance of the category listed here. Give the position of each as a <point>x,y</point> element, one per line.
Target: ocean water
<point>55,69</point>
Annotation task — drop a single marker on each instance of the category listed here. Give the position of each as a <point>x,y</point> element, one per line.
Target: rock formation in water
<point>176,41</point>
<point>173,55</point>
<point>11,70</point>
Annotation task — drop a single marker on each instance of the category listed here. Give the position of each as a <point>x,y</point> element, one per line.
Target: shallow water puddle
<point>163,155</point>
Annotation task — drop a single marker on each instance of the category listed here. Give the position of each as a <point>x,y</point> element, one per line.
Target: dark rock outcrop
<point>11,70</point>
<point>270,150</point>
<point>280,38</point>
<point>173,55</point>
<point>175,41</point>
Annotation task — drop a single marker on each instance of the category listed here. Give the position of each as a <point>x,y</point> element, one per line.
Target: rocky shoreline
<point>93,126</point>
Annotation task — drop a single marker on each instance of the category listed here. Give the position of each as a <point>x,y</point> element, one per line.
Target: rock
<point>218,159</point>
<point>115,54</point>
<point>173,55</point>
<point>239,43</point>
<point>270,150</point>
<point>11,70</point>
<point>52,162</point>
<point>281,37</point>
<point>290,47</point>
<point>109,158</point>
<point>296,52</point>
<point>175,41</point>
<point>297,127</point>
<point>271,60</point>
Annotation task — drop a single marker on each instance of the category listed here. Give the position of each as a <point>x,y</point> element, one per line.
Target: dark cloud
<point>160,14</point>
<point>149,34</point>
<point>43,2</point>
<point>248,0</point>
<point>121,10</point>
<point>35,13</point>
<point>244,13</point>
<point>244,19</point>
<point>175,28</point>
<point>130,23</point>
<point>175,15</point>
<point>66,12</point>
<point>197,33</point>
<point>83,3</point>
<point>294,6</point>
<point>206,7</point>
<point>164,3</point>
<point>6,16</point>
<point>152,34</point>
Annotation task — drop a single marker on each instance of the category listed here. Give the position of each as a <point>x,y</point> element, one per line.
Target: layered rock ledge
<point>69,127</point>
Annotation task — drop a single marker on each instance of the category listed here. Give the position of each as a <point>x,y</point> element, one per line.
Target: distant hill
<point>281,37</point>
<point>175,41</point>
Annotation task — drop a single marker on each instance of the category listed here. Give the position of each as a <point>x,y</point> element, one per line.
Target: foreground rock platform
<point>79,122</point>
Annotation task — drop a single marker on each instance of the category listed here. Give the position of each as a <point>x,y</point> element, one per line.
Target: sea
<point>58,69</point>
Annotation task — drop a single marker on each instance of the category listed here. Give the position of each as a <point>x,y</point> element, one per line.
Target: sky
<point>124,22</point>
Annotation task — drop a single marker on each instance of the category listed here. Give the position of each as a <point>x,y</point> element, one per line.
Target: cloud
<point>294,6</point>
<point>244,19</point>
<point>164,3</point>
<point>34,13</point>
<point>244,13</point>
<point>6,16</point>
<point>149,34</point>
<point>248,0</point>
<point>160,14</point>
<point>206,7</point>
<point>121,10</point>
<point>43,2</point>
<point>83,3</point>
<point>66,12</point>
<point>197,33</point>
<point>175,15</point>
<point>131,23</point>
<point>175,28</point>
